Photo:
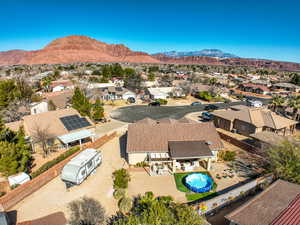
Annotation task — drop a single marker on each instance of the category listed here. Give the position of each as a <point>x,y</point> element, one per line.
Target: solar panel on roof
<point>74,122</point>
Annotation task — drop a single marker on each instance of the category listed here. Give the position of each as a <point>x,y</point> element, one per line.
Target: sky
<point>268,29</point>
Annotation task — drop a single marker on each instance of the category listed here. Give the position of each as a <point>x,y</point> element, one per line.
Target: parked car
<point>154,104</point>
<point>195,103</point>
<point>206,116</point>
<point>211,107</point>
<point>254,103</point>
<point>131,100</point>
<point>80,167</point>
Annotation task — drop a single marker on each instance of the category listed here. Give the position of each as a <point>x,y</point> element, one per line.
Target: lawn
<point>192,196</point>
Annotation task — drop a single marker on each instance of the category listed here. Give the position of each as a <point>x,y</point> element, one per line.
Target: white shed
<point>18,179</point>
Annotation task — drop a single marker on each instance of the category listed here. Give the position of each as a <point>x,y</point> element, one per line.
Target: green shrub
<point>119,194</point>
<point>53,162</point>
<point>121,178</point>
<point>162,101</point>
<point>141,164</point>
<point>14,186</point>
<point>204,95</point>
<point>2,193</point>
<point>227,155</point>
<point>125,205</point>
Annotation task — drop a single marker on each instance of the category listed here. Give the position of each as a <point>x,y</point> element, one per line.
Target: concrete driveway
<point>54,197</point>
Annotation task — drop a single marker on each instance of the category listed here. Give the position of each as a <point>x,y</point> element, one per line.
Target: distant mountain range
<point>75,48</point>
<point>205,52</point>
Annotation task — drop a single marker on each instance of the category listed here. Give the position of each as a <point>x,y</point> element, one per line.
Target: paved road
<point>131,114</point>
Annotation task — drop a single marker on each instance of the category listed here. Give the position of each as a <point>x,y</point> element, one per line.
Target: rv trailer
<point>75,171</point>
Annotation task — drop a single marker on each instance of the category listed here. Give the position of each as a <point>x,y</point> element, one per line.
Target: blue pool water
<point>198,182</point>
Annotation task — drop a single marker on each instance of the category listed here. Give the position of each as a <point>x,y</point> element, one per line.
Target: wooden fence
<point>18,194</point>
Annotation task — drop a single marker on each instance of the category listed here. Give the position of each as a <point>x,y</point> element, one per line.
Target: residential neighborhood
<point>150,112</point>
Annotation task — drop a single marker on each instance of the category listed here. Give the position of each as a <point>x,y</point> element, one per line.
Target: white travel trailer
<point>75,171</point>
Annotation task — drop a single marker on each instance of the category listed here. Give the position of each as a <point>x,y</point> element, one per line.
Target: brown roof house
<point>247,120</point>
<point>279,204</point>
<point>62,128</point>
<point>169,145</point>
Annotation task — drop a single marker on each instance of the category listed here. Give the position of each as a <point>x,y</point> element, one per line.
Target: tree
<point>51,106</point>
<point>284,161</point>
<point>151,76</point>
<point>81,103</point>
<point>295,79</point>
<point>132,80</point>
<point>7,93</point>
<point>97,111</point>
<point>15,153</point>
<point>42,136</point>
<point>277,101</point>
<point>125,205</point>
<point>294,102</point>
<point>23,89</point>
<point>159,211</point>
<point>86,211</point>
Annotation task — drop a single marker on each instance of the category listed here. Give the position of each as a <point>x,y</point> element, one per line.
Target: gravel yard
<point>54,197</point>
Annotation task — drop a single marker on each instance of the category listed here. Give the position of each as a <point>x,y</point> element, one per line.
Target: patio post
<point>208,164</point>
<point>174,166</point>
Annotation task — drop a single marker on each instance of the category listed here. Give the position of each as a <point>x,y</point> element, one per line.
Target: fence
<point>241,144</point>
<point>18,194</point>
<point>222,200</point>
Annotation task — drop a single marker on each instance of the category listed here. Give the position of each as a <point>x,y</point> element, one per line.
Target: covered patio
<point>78,137</point>
<point>182,156</point>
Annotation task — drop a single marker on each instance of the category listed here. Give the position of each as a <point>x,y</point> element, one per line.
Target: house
<point>254,88</point>
<point>288,87</point>
<point>61,100</point>
<point>61,85</point>
<point>246,120</point>
<point>110,93</point>
<point>172,144</point>
<point>38,107</point>
<point>160,92</point>
<point>62,128</point>
<point>279,204</point>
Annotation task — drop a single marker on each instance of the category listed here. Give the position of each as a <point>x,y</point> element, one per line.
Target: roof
<point>160,90</point>
<point>266,206</point>
<point>61,100</point>
<point>189,149</point>
<point>291,215</point>
<point>143,137</point>
<point>57,218</point>
<point>49,121</point>
<point>75,136</point>
<point>286,85</point>
<point>256,86</point>
<point>200,87</point>
<point>257,116</point>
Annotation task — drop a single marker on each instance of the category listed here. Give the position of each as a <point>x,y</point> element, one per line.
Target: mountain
<point>75,48</point>
<point>205,52</point>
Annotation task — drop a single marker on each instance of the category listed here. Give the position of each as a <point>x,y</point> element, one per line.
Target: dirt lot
<point>141,182</point>
<point>54,197</point>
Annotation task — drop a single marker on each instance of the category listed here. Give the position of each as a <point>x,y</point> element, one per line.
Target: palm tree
<point>277,101</point>
<point>294,103</point>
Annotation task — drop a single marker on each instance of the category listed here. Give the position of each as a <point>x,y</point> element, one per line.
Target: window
<point>83,172</point>
<point>90,163</point>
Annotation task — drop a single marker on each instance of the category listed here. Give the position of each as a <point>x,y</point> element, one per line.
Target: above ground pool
<point>198,182</point>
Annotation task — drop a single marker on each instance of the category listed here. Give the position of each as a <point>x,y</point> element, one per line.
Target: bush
<point>2,193</point>
<point>86,211</point>
<point>227,155</point>
<point>14,186</point>
<point>119,194</point>
<point>141,164</point>
<point>162,101</point>
<point>121,178</point>
<point>125,205</point>
<point>53,162</point>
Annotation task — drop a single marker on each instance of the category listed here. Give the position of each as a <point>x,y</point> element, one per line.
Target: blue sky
<point>249,28</point>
